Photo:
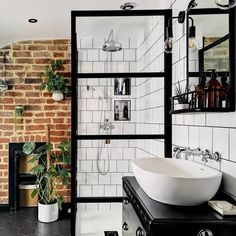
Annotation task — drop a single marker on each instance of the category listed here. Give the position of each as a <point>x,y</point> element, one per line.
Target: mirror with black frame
<point>209,55</point>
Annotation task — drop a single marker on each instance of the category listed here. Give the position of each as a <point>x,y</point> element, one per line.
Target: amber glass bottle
<point>213,91</point>
<point>224,92</point>
<point>200,92</point>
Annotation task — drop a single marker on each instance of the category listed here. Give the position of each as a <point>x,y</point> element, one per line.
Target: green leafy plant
<point>182,94</point>
<point>54,80</point>
<point>48,177</point>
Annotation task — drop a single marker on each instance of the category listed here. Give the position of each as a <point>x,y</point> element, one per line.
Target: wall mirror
<point>211,59</point>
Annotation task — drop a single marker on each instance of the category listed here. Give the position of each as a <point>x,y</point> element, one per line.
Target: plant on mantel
<point>53,81</point>
<point>50,171</point>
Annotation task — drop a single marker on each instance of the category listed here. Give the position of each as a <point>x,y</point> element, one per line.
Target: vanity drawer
<point>193,229</point>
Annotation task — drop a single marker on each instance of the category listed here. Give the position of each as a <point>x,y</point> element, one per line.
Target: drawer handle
<point>205,232</point>
<point>125,227</point>
<point>139,232</point>
<point>125,201</point>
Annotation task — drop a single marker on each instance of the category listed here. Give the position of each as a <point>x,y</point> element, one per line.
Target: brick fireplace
<point>25,60</point>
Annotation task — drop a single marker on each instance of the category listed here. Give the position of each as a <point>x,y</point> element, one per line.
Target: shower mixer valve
<point>107,125</point>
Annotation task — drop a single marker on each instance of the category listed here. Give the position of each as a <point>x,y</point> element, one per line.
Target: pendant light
<point>168,44</point>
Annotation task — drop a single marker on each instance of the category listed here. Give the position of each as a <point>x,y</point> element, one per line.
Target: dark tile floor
<point>24,222</point>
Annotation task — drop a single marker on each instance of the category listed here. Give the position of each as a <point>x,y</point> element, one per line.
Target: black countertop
<point>161,212</point>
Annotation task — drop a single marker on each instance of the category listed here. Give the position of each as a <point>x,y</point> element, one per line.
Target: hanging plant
<point>18,117</point>
<point>54,82</point>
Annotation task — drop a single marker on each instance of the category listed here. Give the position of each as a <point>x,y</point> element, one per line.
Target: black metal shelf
<point>200,110</point>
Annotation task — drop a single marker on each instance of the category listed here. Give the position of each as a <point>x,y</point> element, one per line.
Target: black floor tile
<point>23,222</point>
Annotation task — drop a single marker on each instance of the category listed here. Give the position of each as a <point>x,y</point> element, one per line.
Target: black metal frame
<point>215,11</point>
<point>166,75</point>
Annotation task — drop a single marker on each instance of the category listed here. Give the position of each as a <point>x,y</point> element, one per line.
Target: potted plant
<point>181,97</point>
<point>50,172</point>
<point>54,82</point>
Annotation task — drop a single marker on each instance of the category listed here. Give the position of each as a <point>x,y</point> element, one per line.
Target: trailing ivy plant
<point>52,79</point>
<point>47,178</point>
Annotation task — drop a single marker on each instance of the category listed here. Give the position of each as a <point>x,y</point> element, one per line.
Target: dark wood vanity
<point>143,216</point>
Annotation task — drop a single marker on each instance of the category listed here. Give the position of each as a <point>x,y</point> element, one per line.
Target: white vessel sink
<point>176,182</point>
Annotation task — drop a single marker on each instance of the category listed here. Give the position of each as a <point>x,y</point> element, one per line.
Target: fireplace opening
<point>21,181</point>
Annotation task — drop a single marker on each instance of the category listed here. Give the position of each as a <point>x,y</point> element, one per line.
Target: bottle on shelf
<point>126,113</point>
<point>200,92</point>
<point>124,88</point>
<point>213,91</point>
<point>117,111</point>
<point>225,91</point>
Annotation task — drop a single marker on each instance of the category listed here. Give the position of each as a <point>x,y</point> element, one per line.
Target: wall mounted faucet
<point>196,152</point>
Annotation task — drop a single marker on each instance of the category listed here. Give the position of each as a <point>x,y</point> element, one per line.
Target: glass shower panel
<point>101,165</point>
<point>120,44</point>
<point>102,110</point>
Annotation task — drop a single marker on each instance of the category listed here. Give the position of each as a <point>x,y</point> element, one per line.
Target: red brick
<point>34,127</point>
<point>42,121</point>
<point>4,100</point>
<point>13,94</point>
<point>4,140</point>
<point>43,61</point>
<point>32,94</point>
<point>36,101</point>
<point>58,120</point>
<point>61,41</point>
<point>21,54</point>
<point>58,54</point>
<point>24,60</point>
<point>14,67</point>
<point>36,47</point>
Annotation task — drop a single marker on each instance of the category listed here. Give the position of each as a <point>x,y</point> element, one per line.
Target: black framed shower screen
<point>166,75</point>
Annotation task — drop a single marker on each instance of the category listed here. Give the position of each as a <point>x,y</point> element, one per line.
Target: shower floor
<point>92,222</point>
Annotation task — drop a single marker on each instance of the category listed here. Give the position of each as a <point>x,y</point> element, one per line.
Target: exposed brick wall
<point>25,60</point>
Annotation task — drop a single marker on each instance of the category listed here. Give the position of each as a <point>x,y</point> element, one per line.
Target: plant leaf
<point>29,147</point>
<point>34,193</point>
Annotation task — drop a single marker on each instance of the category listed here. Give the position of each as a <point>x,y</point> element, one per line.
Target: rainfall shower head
<point>111,45</point>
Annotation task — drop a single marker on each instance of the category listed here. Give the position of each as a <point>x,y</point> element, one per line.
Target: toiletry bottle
<point>124,88</point>
<point>117,113</point>
<point>200,92</point>
<point>120,83</point>
<point>126,113</point>
<point>225,91</point>
<point>213,92</point>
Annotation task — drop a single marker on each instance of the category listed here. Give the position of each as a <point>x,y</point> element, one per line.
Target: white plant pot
<point>181,106</point>
<point>57,95</point>
<point>48,213</point>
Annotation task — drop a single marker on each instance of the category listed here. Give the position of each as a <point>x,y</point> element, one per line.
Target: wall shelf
<point>200,110</point>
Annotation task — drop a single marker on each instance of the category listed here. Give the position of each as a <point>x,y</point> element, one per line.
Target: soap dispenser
<point>200,91</point>
<point>213,91</point>
<point>225,89</point>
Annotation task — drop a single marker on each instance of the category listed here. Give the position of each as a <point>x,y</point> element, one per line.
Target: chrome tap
<point>196,152</point>
<point>187,151</point>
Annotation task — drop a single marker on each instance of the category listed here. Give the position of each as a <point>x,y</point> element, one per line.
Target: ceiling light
<point>128,6</point>
<point>33,20</point>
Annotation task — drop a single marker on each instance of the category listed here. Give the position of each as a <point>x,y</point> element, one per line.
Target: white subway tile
<point>221,142</point>
<point>233,145</point>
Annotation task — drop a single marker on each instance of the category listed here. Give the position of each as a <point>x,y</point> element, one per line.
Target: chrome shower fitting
<point>111,45</point>
<point>107,125</point>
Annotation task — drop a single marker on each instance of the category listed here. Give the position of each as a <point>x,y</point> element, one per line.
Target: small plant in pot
<point>181,97</point>
<point>54,82</point>
<point>50,172</point>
